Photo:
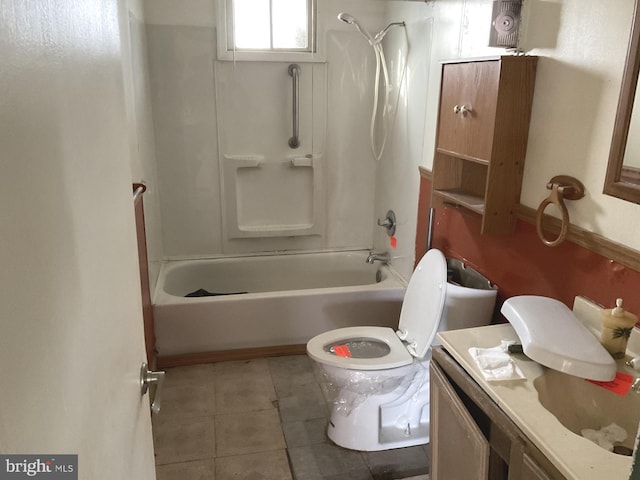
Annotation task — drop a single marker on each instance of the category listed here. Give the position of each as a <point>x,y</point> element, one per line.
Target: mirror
<point>623,172</point>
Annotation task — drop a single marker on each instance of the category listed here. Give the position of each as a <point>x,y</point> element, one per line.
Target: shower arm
<point>380,35</point>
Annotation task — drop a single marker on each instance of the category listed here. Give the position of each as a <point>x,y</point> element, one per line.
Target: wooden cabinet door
<point>474,85</point>
<point>531,470</point>
<point>526,468</point>
<point>523,466</point>
<point>459,450</point>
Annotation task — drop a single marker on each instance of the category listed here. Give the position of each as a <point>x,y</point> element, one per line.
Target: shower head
<point>346,18</point>
<point>351,20</point>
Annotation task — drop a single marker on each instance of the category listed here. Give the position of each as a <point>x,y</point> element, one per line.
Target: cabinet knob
<point>463,109</point>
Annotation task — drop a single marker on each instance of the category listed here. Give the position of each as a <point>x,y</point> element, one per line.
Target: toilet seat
<point>419,320</point>
<point>398,355</point>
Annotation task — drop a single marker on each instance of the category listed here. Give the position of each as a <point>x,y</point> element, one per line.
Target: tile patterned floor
<point>261,419</point>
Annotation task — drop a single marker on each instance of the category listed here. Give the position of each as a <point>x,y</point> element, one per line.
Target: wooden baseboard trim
<point>596,243</point>
<point>229,355</point>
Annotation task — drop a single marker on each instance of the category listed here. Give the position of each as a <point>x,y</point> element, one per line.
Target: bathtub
<point>289,299</point>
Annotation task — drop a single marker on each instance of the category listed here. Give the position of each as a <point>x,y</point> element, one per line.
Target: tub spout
<point>384,258</point>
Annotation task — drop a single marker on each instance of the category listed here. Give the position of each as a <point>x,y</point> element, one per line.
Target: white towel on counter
<point>495,364</point>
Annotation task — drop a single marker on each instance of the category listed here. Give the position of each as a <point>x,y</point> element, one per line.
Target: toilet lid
<point>423,303</point>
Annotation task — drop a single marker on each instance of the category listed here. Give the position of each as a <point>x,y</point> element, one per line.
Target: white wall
<point>576,96</point>
<point>190,133</point>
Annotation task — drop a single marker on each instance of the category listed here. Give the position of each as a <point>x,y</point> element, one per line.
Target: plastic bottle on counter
<point>617,325</point>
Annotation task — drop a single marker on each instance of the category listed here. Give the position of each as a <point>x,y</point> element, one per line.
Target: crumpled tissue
<point>496,365</point>
<point>606,436</point>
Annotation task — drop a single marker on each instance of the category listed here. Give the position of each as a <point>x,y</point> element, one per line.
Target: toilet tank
<point>470,298</point>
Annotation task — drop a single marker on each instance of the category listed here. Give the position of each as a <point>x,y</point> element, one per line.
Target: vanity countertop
<point>574,456</point>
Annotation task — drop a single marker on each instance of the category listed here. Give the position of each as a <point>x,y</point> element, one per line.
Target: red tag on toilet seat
<point>342,350</point>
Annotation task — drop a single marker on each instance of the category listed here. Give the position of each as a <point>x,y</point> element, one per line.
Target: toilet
<point>377,379</point>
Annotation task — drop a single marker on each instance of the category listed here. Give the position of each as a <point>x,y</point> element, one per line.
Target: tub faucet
<point>384,258</point>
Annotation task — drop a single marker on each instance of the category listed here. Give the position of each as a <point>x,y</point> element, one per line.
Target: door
<point>71,340</point>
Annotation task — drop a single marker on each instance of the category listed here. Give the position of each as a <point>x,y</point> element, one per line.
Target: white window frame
<point>227,52</point>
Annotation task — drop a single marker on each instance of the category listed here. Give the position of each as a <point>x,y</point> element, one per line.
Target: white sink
<point>579,404</point>
<point>551,407</point>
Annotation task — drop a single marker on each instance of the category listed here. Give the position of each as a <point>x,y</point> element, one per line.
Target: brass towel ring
<point>562,187</point>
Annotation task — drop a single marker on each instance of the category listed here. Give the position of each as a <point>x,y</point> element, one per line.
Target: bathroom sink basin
<point>579,404</point>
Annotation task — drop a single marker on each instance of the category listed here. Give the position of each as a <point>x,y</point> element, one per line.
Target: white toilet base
<point>394,420</point>
<point>384,439</point>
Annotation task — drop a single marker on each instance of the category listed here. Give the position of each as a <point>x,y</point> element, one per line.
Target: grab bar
<point>294,72</point>
<point>138,190</point>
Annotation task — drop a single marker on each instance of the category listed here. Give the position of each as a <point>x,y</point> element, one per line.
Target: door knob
<point>148,377</point>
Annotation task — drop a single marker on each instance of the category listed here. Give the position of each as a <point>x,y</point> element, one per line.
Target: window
<point>255,29</point>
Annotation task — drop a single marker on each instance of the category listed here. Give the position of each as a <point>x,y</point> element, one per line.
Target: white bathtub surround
<point>291,299</point>
<point>409,57</point>
<point>268,188</point>
<point>281,197</point>
<point>184,118</point>
<point>204,109</point>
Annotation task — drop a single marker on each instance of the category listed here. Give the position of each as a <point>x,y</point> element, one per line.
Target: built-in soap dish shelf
<point>272,196</point>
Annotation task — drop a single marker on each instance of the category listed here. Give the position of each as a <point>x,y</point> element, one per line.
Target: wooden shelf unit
<point>481,139</point>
